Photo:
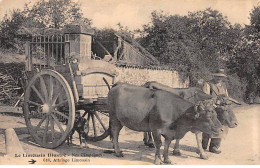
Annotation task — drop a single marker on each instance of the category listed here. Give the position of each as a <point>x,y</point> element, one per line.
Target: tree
<point>197,43</point>
<point>54,13</point>
<point>9,27</point>
<point>245,61</point>
<point>42,14</point>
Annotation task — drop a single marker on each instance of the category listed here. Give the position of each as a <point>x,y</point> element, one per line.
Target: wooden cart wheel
<point>49,108</point>
<point>98,124</point>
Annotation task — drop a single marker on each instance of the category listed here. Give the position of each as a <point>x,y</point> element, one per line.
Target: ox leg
<point>166,151</point>
<point>115,129</point>
<point>148,140</point>
<point>158,144</point>
<point>199,143</point>
<point>145,138</point>
<point>176,148</point>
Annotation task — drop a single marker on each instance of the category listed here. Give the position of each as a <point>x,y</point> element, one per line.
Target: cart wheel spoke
<point>46,130</point>
<point>94,125</point>
<point>58,123</point>
<point>100,121</point>
<point>51,87</point>
<point>56,96</point>
<point>38,93</point>
<point>88,117</point>
<point>61,103</point>
<point>40,123</point>
<point>44,88</point>
<point>34,103</point>
<point>60,113</point>
<point>52,129</point>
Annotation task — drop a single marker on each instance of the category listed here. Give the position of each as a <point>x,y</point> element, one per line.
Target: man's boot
<point>205,141</point>
<point>214,145</point>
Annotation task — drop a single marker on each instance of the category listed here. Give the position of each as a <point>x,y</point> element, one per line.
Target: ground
<point>240,147</point>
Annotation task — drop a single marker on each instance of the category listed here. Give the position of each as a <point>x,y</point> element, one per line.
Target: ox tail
<point>108,86</point>
<point>114,85</point>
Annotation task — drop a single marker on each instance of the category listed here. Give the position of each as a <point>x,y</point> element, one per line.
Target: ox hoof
<point>215,150</point>
<point>204,156</point>
<point>120,154</point>
<point>176,153</point>
<point>151,145</point>
<point>158,162</point>
<point>167,161</point>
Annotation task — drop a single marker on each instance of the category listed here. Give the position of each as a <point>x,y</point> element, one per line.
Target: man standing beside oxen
<point>216,87</point>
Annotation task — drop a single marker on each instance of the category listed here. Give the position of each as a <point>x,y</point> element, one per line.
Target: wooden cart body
<point>63,77</point>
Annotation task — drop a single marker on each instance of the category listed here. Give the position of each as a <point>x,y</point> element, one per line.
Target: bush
<point>10,82</point>
<point>236,87</point>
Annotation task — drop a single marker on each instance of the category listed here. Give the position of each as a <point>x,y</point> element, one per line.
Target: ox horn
<point>201,108</point>
<point>234,101</point>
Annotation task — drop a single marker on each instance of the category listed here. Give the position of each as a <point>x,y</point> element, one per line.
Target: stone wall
<point>140,76</point>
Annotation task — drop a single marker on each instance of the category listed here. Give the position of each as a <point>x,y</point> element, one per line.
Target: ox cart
<point>69,71</point>
<point>63,76</point>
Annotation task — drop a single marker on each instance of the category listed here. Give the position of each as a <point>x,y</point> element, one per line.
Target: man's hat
<point>220,73</point>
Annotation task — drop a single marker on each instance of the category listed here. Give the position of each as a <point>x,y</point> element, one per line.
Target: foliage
<point>192,44</point>
<point>53,13</point>
<point>197,44</point>
<point>245,61</point>
<point>8,29</point>
<point>41,14</point>
<point>236,87</point>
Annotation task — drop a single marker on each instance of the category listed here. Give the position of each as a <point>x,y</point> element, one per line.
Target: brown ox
<point>160,112</point>
<point>224,112</point>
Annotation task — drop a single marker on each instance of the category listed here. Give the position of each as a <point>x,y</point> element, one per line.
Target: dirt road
<point>241,146</point>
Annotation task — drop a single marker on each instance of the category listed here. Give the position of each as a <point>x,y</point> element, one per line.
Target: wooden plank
<point>52,48</point>
<point>28,56</point>
<point>44,51</point>
<point>56,55</point>
<point>61,55</point>
<point>48,52</point>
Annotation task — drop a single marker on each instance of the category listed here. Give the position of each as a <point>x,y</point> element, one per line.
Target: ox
<point>160,112</point>
<point>224,112</point>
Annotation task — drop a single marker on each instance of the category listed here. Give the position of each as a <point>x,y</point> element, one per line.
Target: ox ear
<point>197,115</point>
<point>199,108</point>
<point>196,108</point>
<point>193,116</point>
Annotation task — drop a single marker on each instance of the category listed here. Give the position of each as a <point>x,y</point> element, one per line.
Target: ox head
<point>224,112</point>
<point>205,118</point>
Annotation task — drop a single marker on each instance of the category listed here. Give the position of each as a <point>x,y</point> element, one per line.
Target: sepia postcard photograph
<point>129,82</point>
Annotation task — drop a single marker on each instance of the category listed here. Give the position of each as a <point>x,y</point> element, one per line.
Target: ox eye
<point>209,116</point>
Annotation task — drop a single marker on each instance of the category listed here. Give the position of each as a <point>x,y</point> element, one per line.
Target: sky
<point>135,13</point>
